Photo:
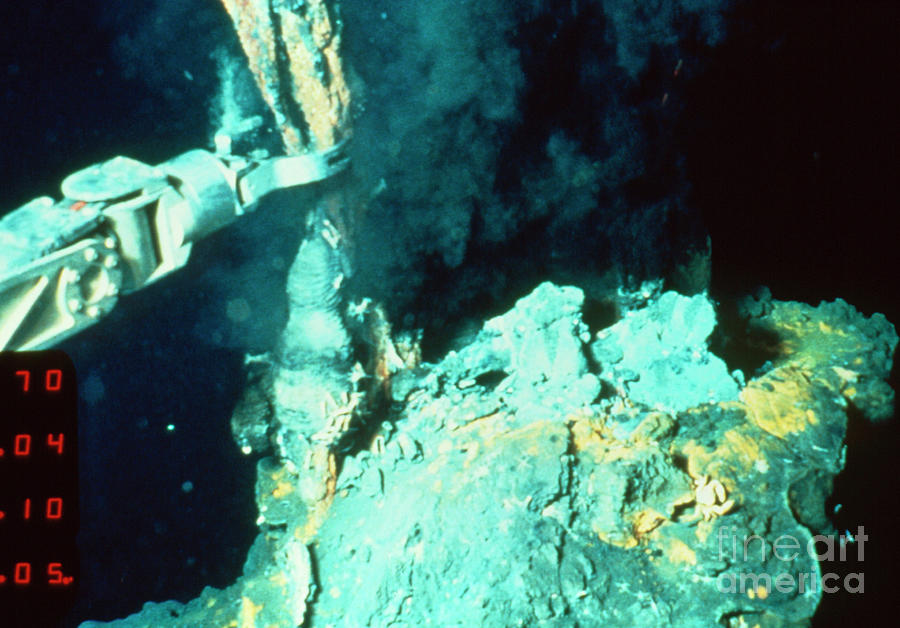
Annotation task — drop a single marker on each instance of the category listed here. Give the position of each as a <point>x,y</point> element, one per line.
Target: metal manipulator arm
<point>120,226</point>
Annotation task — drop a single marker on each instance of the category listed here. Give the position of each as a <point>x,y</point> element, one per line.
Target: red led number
<point>22,573</point>
<point>52,511</point>
<point>22,445</point>
<point>54,508</point>
<point>55,441</point>
<point>26,379</point>
<point>55,575</point>
<point>52,380</point>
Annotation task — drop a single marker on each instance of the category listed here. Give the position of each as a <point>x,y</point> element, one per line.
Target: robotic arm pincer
<point>122,225</point>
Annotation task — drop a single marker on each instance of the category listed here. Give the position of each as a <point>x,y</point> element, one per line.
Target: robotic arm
<point>122,225</point>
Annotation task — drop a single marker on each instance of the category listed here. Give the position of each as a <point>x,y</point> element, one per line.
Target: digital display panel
<point>39,568</point>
